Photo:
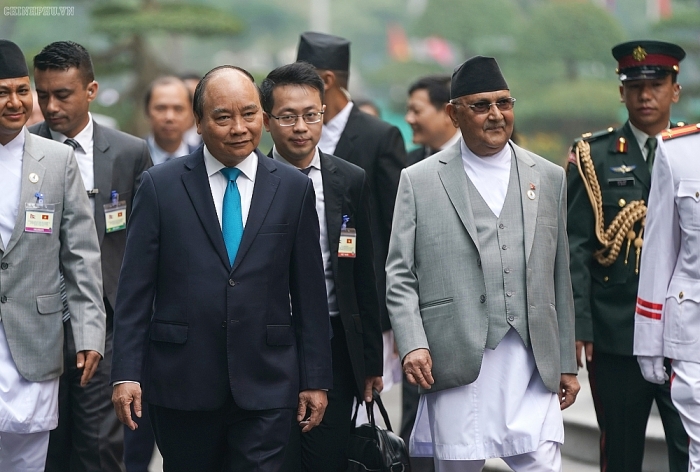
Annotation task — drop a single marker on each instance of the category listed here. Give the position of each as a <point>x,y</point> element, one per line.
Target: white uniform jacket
<point>667,318</point>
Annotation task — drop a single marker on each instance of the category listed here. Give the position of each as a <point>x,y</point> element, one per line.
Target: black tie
<point>306,171</point>
<point>650,146</point>
<point>72,143</point>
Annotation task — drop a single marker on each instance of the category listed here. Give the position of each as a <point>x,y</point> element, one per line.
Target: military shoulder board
<point>680,131</point>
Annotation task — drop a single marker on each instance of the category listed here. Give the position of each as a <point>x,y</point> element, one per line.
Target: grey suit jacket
<point>435,285</point>
<point>119,159</point>
<point>30,305</point>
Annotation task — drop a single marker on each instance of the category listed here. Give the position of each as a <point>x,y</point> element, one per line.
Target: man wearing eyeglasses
<point>606,233</point>
<point>479,292</point>
<point>292,97</point>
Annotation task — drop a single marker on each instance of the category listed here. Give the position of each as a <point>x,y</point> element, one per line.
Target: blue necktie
<point>231,214</point>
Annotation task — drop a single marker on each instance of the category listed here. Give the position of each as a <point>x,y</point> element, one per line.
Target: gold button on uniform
<point>622,202</point>
<point>606,278</point>
<point>680,295</point>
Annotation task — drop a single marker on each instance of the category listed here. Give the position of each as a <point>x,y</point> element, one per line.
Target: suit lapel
<point>529,179</point>
<point>333,185</point>
<point>346,144</point>
<point>196,183</point>
<point>30,164</point>
<point>102,163</point>
<point>263,192</point>
<point>454,180</point>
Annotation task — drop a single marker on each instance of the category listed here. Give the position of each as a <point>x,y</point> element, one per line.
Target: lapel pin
<point>531,192</point>
<point>33,178</point>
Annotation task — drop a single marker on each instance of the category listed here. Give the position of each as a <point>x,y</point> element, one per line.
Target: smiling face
<point>297,144</point>
<point>15,107</point>
<point>485,134</point>
<point>649,102</point>
<point>64,99</point>
<point>431,126</point>
<point>231,122</point>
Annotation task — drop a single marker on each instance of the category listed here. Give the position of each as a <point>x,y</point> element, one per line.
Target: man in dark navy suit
<point>221,317</point>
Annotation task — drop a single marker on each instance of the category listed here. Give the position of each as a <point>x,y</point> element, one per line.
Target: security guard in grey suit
<point>88,437</point>
<point>609,178</point>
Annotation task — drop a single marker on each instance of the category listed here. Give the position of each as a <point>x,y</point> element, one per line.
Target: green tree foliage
<point>570,32</point>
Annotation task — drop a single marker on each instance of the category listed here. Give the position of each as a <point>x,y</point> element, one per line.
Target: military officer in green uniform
<point>609,176</point>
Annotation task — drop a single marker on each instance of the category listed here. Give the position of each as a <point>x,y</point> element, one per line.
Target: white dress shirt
<point>330,135</point>
<point>317,179</point>
<point>11,185</point>
<point>490,175</point>
<point>84,156</point>
<point>218,182</point>
<point>160,155</point>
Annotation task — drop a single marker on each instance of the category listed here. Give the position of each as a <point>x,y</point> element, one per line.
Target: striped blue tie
<point>231,214</point>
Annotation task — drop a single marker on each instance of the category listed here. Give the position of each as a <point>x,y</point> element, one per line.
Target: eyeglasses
<point>504,104</point>
<point>291,120</point>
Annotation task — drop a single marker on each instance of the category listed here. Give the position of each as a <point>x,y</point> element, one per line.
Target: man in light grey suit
<point>45,226</point>
<point>89,436</point>
<point>479,292</point>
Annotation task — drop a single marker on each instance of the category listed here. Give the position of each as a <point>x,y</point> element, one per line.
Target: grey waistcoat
<point>502,250</point>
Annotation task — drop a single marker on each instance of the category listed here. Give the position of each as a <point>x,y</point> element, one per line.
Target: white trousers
<point>685,393</point>
<point>23,452</point>
<point>547,458</point>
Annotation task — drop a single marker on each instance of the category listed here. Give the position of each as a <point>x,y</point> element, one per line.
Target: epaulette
<point>588,137</point>
<point>593,136</point>
<point>680,131</point>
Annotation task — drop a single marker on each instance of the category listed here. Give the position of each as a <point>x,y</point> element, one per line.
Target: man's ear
<point>266,121</point>
<point>328,77</point>
<point>92,88</point>
<point>452,113</point>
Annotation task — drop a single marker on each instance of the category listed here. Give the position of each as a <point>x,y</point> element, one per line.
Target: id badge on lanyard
<point>348,240</point>
<point>38,217</point>
<point>115,214</point>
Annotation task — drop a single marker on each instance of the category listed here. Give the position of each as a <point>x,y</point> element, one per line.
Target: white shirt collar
<point>84,138</point>
<point>248,166</point>
<point>315,162</point>
<point>160,155</point>
<point>16,146</point>
<point>338,122</point>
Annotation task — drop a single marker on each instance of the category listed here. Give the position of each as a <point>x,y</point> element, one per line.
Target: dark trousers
<point>409,409</point>
<point>89,436</point>
<point>623,401</point>
<point>324,448</point>
<point>139,444</point>
<point>228,439</point>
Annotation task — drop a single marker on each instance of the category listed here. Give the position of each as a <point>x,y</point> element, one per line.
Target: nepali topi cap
<point>324,51</point>
<point>477,75</point>
<point>638,60</point>
<point>12,63</point>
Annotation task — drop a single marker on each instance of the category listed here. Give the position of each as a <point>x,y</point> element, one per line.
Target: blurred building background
<point>555,53</point>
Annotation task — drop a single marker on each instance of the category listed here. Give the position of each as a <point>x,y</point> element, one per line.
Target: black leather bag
<point>372,448</point>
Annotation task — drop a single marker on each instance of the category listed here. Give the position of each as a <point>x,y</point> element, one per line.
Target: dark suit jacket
<point>119,159</point>
<point>416,155</point>
<point>378,148</point>
<point>346,192</point>
<point>203,330</point>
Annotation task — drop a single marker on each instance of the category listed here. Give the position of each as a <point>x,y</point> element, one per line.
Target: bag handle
<point>370,411</point>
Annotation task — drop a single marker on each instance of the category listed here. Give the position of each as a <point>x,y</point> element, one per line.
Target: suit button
<point>223,325</point>
<point>231,282</point>
<point>504,247</point>
<point>501,226</point>
<point>511,318</point>
<point>680,295</point>
<point>621,202</point>
<point>697,194</point>
<point>509,294</point>
<point>507,271</point>
<point>4,265</point>
<point>482,298</point>
<point>3,299</point>
<point>478,262</point>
